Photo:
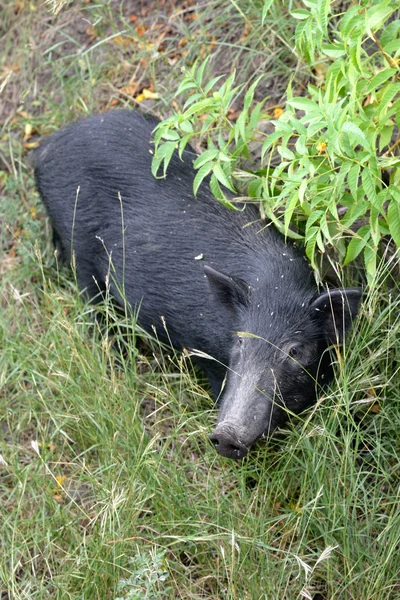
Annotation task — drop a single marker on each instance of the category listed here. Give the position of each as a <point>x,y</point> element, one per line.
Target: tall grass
<point>109,487</point>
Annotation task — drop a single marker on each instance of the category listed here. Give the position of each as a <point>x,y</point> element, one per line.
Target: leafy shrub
<point>337,180</point>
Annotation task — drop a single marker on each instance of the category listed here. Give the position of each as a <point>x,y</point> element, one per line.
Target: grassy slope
<point>109,476</point>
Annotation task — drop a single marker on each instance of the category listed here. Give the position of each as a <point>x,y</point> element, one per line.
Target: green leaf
<point>322,12</point>
<point>271,139</point>
<point>199,72</point>
<point>390,33</point>
<point>325,228</point>
<point>353,180</point>
<point>266,7</point>
<point>389,93</point>
<point>377,15</point>
<point>355,133</point>
<point>386,136</point>
<point>355,53</point>
<point>286,153</point>
<point>394,220</point>
<point>206,156</point>
<point>392,47</point>
<point>369,186</point>
<point>304,104</point>
<point>222,178</point>
<point>300,14</point>
<point>311,245</point>
<point>255,188</point>
<point>300,145</point>
<point>186,85</point>
<point>215,187</point>
<point>200,175</point>
<point>350,20</point>
<point>186,126</point>
<point>357,244</point>
<point>170,135</point>
<point>379,79</point>
<point>302,190</point>
<point>289,209</point>
<point>163,155</point>
<point>355,211</point>
<point>212,83</point>
<point>333,50</point>
<point>313,218</point>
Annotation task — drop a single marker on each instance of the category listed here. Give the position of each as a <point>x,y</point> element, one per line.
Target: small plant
<point>337,180</point>
<point>147,581</point>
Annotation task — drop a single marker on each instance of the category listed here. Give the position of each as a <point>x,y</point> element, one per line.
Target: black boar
<point>222,282</point>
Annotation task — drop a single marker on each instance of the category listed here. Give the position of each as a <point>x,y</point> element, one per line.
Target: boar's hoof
<point>227,445</point>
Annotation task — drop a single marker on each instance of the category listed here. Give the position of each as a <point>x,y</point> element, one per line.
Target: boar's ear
<point>335,310</point>
<point>231,291</point>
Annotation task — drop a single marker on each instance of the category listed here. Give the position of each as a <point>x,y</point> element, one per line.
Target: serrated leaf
<point>355,133</point>
<point>286,153</point>
<point>355,53</point>
<point>379,79</point>
<point>357,244</point>
<point>392,47</point>
<point>390,92</point>
<point>355,211</point>
<point>266,7</point>
<point>212,83</point>
<point>240,127</point>
<point>350,20</point>
<point>325,229</point>
<point>320,242</point>
<point>333,50</point>
<point>377,15</point>
<point>186,126</point>
<point>369,186</point>
<point>183,142</point>
<point>390,32</point>
<point>302,190</point>
<point>394,220</point>
<point>170,135</point>
<point>200,106</point>
<point>222,178</point>
<point>163,155</point>
<point>215,187</point>
<point>353,180</point>
<point>206,156</point>
<point>313,218</point>
<point>385,137</point>
<point>255,188</point>
<point>323,10</point>
<point>311,244</point>
<point>200,176</point>
<point>300,145</point>
<point>185,86</point>
<point>304,104</point>
<point>300,14</point>
<point>289,209</point>
<point>269,141</point>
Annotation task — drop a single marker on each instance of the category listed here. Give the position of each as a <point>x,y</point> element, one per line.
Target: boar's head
<point>279,356</point>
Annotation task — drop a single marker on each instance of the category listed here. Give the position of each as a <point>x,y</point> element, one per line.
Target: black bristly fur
<point>208,272</point>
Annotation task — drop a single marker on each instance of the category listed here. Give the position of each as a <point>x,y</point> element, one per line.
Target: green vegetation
<point>335,145</point>
<point>109,487</point>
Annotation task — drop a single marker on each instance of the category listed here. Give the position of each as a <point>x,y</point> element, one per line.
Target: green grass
<point>109,487</point>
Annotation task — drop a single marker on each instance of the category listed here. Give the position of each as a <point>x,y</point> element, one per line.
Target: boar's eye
<point>240,340</point>
<point>304,354</point>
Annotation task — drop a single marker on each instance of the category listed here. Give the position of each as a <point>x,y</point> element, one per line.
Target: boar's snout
<point>227,444</point>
